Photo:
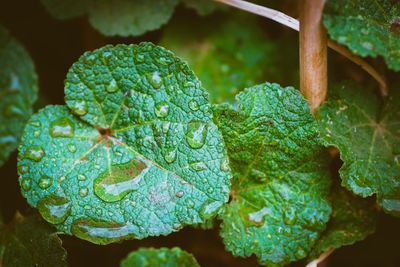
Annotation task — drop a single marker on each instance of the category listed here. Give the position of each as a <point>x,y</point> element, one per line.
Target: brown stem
<point>313,53</point>
<point>294,24</point>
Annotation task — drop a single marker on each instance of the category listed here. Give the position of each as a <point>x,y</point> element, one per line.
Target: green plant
<point>143,147</point>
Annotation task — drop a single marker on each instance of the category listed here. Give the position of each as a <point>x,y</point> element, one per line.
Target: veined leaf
<point>18,92</point>
<point>161,257</point>
<point>352,220</point>
<point>230,53</point>
<point>367,27</point>
<point>30,242</point>
<point>130,156</point>
<point>281,175</point>
<point>367,134</point>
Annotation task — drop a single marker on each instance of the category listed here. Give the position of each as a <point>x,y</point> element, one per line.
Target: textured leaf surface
<point>352,220</point>
<point>30,242</point>
<point>161,257</point>
<point>281,175</point>
<point>367,134</point>
<point>229,53</point>
<point>367,27</point>
<point>136,159</point>
<point>18,92</point>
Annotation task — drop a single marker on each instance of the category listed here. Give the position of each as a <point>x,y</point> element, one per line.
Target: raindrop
<point>35,153</point>
<point>210,190</point>
<point>210,208</point>
<point>139,57</point>
<point>196,134</point>
<point>26,184</point>
<point>155,79</point>
<point>179,194</point>
<point>198,166</point>
<point>54,209</point>
<point>225,165</point>
<point>80,107</point>
<point>45,182</point>
<point>170,156</point>
<point>22,169</point>
<point>62,127</point>
<point>81,177</point>
<point>83,192</point>
<point>72,148</point>
<point>161,109</point>
<point>193,105</point>
<point>36,133</point>
<point>112,86</point>
<point>189,202</point>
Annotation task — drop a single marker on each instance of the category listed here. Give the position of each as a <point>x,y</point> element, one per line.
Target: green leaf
<point>203,7</point>
<point>136,159</point>
<point>367,134</point>
<point>161,257</point>
<point>65,9</point>
<point>281,175</point>
<point>18,92</point>
<point>230,53</point>
<point>367,27</point>
<point>352,220</point>
<point>30,242</point>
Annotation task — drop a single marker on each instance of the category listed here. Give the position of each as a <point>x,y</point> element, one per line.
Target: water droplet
<point>179,194</point>
<point>80,107</point>
<point>124,179</point>
<point>62,127</point>
<point>26,184</point>
<point>225,165</point>
<point>13,110</point>
<point>35,123</point>
<point>112,86</point>
<point>45,182</point>
<point>196,134</point>
<point>300,253</point>
<point>165,127</point>
<point>170,156</point>
<point>139,58</point>
<point>71,148</point>
<point>210,190</point>
<point>36,133</point>
<point>101,232</point>
<point>83,192</point>
<point>35,153</point>
<point>193,105</point>
<point>22,169</point>
<point>189,202</point>
<point>198,166</point>
<point>161,109</point>
<point>54,209</point>
<point>210,208</point>
<point>258,216</point>
<point>290,216</point>
<point>155,79</point>
<point>81,177</point>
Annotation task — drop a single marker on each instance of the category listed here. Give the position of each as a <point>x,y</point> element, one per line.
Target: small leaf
<point>367,27</point>
<point>352,220</point>
<point>18,92</point>
<point>161,257</point>
<point>30,242</point>
<point>231,52</point>
<point>367,134</point>
<point>123,167</point>
<point>281,175</point>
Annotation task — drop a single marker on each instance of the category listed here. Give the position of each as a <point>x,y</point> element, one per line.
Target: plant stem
<point>320,259</point>
<point>313,53</point>
<point>290,22</point>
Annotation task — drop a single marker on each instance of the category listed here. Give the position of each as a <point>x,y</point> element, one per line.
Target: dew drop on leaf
<point>45,182</point>
<point>72,148</point>
<point>170,156</point>
<point>22,169</point>
<point>80,107</point>
<point>62,127</point>
<point>81,177</point>
<point>54,209</point>
<point>198,166</point>
<point>112,86</point>
<point>193,105</point>
<point>26,184</point>
<point>155,79</point>
<point>161,109</point>
<point>179,194</point>
<point>83,192</point>
<point>225,165</point>
<point>211,208</point>
<point>35,153</point>
<point>196,134</point>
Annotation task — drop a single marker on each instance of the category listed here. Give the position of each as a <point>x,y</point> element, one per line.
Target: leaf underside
<point>161,257</point>
<point>18,92</point>
<point>135,152</point>
<point>367,134</point>
<point>367,27</point>
<point>281,175</point>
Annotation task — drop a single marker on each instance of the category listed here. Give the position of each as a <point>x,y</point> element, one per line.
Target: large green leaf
<point>18,92</point>
<point>352,220</point>
<point>140,157</point>
<point>367,134</point>
<point>65,9</point>
<point>281,175</point>
<point>30,242</point>
<point>367,27</point>
<point>161,257</point>
<point>231,52</point>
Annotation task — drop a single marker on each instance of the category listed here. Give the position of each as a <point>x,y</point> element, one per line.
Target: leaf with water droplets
<point>367,27</point>
<point>367,134</point>
<point>124,163</point>
<point>280,175</point>
<point>231,52</point>
<point>160,257</point>
<point>30,241</point>
<point>352,220</point>
<point>18,92</point>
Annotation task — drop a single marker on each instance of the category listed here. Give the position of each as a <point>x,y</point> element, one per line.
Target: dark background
<point>54,45</point>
